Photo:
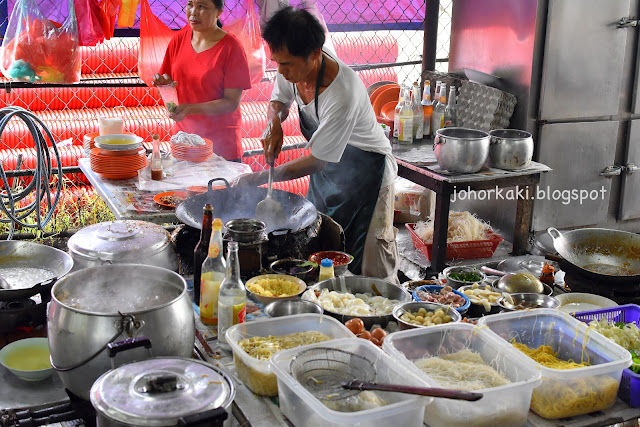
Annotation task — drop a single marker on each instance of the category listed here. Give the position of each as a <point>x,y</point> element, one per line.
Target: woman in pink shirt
<point>209,68</point>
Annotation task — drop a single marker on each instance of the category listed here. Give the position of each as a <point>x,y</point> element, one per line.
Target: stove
<point>627,294</point>
<point>29,311</point>
<point>74,412</point>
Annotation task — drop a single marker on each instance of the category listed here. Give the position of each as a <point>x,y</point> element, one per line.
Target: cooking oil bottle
<point>405,128</point>
<point>213,272</point>
<point>427,108</point>
<point>232,301</point>
<point>396,113</point>
<point>437,117</point>
<point>418,113</point>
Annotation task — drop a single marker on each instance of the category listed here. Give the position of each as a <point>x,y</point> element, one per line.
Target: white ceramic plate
<point>574,302</point>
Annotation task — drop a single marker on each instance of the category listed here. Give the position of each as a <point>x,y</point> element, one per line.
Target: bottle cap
<point>326,263</point>
<point>217,224</point>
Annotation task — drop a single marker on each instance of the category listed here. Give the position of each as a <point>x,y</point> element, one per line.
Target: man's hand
<point>272,139</point>
<point>248,180</point>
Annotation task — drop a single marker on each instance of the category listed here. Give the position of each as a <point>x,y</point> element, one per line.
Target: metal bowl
<point>302,286</point>
<point>293,267</point>
<point>339,267</point>
<point>455,284</point>
<point>478,310</point>
<point>400,309</point>
<point>362,284</point>
<point>246,230</point>
<point>510,149</point>
<point>290,307</point>
<point>521,282</point>
<point>461,150</point>
<point>528,301</point>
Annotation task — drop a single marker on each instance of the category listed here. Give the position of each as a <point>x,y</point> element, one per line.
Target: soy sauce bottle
<point>201,249</point>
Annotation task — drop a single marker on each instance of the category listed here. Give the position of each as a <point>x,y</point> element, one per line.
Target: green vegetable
<point>467,276</point>
<point>635,358</point>
<point>619,325</point>
<point>171,106</point>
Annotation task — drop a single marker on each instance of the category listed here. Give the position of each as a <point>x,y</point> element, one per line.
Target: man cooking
<point>351,166</point>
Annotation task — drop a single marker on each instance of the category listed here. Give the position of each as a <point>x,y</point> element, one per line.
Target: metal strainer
<point>331,374</point>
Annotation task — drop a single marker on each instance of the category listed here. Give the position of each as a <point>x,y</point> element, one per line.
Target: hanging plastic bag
<point>110,10</point>
<point>34,50</point>
<point>247,31</point>
<point>154,39</point>
<point>127,14</point>
<point>90,17</point>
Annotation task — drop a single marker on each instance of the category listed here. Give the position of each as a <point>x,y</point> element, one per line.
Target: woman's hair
<point>219,4</point>
<point>296,29</point>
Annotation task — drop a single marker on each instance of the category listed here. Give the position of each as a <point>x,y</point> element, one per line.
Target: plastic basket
<point>459,250</point>
<point>630,383</point>
<point>435,288</point>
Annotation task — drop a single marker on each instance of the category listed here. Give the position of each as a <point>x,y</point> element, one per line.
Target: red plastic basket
<point>629,390</point>
<point>459,250</point>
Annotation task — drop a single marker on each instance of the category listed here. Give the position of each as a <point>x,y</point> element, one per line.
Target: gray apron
<point>347,191</point>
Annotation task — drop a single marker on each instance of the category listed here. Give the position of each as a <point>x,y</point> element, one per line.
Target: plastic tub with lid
<point>505,405</point>
<point>303,409</point>
<point>258,374</point>
<point>566,392</point>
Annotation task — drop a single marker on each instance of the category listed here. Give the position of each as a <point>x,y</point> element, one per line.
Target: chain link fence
<point>381,40</point>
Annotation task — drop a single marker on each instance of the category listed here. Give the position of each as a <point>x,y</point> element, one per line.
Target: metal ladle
<point>269,209</point>
<point>516,282</point>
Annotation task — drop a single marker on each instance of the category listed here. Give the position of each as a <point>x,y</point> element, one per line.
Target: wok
<point>16,255</point>
<point>600,253</point>
<point>233,203</point>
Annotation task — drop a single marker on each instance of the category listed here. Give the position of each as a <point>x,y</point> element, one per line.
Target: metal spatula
<point>269,210</point>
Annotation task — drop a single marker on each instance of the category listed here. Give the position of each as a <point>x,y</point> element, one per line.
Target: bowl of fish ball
<point>525,301</point>
<point>28,359</point>
<point>289,307</point>
<point>462,276</point>
<point>414,314</point>
<point>483,299</point>
<point>444,295</point>
<point>268,288</point>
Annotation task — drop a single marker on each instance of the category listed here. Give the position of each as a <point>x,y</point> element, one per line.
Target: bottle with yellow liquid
<point>232,300</point>
<point>213,272</point>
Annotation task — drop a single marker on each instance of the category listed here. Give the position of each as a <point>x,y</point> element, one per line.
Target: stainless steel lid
<point>119,240</point>
<point>158,391</point>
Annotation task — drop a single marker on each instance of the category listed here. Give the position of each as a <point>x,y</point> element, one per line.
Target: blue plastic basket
<point>630,383</point>
<point>436,289</point>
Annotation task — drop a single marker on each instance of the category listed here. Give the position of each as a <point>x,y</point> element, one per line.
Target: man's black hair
<point>296,29</point>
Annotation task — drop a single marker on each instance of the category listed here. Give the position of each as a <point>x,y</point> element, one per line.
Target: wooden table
<point>417,163</point>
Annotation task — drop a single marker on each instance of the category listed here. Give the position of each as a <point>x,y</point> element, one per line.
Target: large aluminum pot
<point>95,307</point>
<point>122,242</point>
<point>163,391</point>
<point>360,285</point>
<point>510,149</point>
<point>461,150</point>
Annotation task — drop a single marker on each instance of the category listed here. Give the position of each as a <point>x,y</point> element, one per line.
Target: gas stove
<point>74,412</point>
<point>29,311</point>
<point>621,294</point>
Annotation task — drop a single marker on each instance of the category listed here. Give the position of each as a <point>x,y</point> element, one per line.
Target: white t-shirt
<point>346,117</point>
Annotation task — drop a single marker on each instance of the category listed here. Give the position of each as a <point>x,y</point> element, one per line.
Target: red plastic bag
<point>90,18</point>
<point>154,39</point>
<point>33,49</point>
<point>110,10</point>
<point>247,30</point>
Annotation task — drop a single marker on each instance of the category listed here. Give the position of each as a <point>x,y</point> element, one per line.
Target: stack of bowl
<point>190,153</point>
<point>118,156</point>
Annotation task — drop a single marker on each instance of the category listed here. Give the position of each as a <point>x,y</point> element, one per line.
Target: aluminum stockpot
<point>122,242</point>
<point>163,391</point>
<point>246,230</point>
<point>461,150</point>
<point>510,149</point>
<point>97,307</point>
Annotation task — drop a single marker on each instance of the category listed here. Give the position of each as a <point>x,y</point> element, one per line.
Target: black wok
<point>16,256</point>
<point>233,203</point>
<point>600,253</point>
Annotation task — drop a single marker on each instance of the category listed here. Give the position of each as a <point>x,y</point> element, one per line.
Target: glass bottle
<point>405,129</point>
<point>156,160</point>
<point>427,108</point>
<point>418,113</point>
<point>326,270</point>
<point>437,117</point>
<point>213,272</point>
<point>436,96</point>
<point>451,111</point>
<point>547,275</point>
<point>396,113</point>
<point>201,249</point>
<point>232,301</point>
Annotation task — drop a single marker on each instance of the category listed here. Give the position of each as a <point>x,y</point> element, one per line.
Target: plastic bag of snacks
<point>413,202</point>
<point>35,49</point>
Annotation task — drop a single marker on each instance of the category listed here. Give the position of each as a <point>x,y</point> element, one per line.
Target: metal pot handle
<point>210,187</point>
<point>279,232</point>
<point>204,418</point>
<point>438,139</point>
<point>554,233</point>
<point>495,140</point>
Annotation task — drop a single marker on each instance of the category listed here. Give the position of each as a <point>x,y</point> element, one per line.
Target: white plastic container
<point>506,405</point>
<point>258,374</point>
<point>303,409</point>
<point>566,392</point>
<point>110,125</point>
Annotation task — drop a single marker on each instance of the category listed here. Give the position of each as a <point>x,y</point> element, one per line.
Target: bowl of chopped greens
<point>461,276</point>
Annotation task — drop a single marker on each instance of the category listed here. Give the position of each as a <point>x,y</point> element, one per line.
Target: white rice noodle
<point>463,227</point>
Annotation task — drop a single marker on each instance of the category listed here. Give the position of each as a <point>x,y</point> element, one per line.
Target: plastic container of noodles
<point>565,392</point>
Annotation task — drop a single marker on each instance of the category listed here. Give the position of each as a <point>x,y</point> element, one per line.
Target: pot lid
<point>158,391</point>
<point>112,240</point>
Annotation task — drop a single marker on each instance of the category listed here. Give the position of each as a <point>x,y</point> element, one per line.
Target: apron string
<point>318,84</point>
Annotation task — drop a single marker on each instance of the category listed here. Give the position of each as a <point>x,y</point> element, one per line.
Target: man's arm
<point>272,137</point>
<point>296,168</point>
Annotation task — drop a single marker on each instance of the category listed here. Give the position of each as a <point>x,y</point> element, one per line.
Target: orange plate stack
<point>190,153</point>
<point>115,165</point>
